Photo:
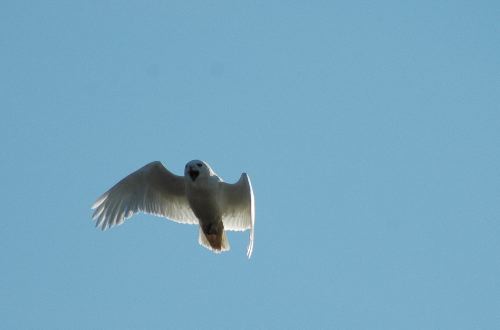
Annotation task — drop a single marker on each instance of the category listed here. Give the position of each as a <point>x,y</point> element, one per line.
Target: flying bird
<point>200,197</point>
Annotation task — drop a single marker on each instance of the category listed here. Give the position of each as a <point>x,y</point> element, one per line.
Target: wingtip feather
<point>99,201</point>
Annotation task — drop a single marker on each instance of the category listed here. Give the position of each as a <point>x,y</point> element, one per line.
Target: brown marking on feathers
<point>213,232</point>
<point>215,241</point>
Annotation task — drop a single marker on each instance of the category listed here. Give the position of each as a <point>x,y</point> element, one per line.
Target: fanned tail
<point>215,243</point>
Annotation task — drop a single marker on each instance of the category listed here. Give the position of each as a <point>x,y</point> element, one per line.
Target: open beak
<point>193,174</point>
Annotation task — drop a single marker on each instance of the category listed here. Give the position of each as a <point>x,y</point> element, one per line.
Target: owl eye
<point>199,164</point>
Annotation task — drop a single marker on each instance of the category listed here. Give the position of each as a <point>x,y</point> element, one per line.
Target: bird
<point>200,197</point>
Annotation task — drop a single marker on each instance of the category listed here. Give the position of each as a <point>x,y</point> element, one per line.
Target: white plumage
<point>199,197</point>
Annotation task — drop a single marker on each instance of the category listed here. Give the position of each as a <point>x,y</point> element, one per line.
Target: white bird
<point>200,197</point>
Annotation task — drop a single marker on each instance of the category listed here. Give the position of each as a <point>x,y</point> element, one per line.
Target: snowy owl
<point>200,197</point>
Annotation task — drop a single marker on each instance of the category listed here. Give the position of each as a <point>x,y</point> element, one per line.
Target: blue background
<point>370,131</point>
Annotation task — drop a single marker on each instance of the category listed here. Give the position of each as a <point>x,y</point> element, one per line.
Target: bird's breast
<point>204,204</point>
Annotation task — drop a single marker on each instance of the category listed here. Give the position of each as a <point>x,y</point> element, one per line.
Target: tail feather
<point>214,243</point>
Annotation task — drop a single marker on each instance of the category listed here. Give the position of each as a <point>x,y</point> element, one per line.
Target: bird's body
<point>206,208</point>
<point>200,197</point>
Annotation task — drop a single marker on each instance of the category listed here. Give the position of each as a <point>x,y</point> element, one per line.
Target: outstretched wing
<point>238,207</point>
<point>151,189</point>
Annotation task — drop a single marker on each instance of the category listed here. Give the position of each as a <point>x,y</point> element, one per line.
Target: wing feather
<point>151,189</point>
<point>238,207</point>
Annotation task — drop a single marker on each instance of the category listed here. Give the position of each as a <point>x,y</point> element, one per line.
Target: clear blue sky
<point>371,132</point>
